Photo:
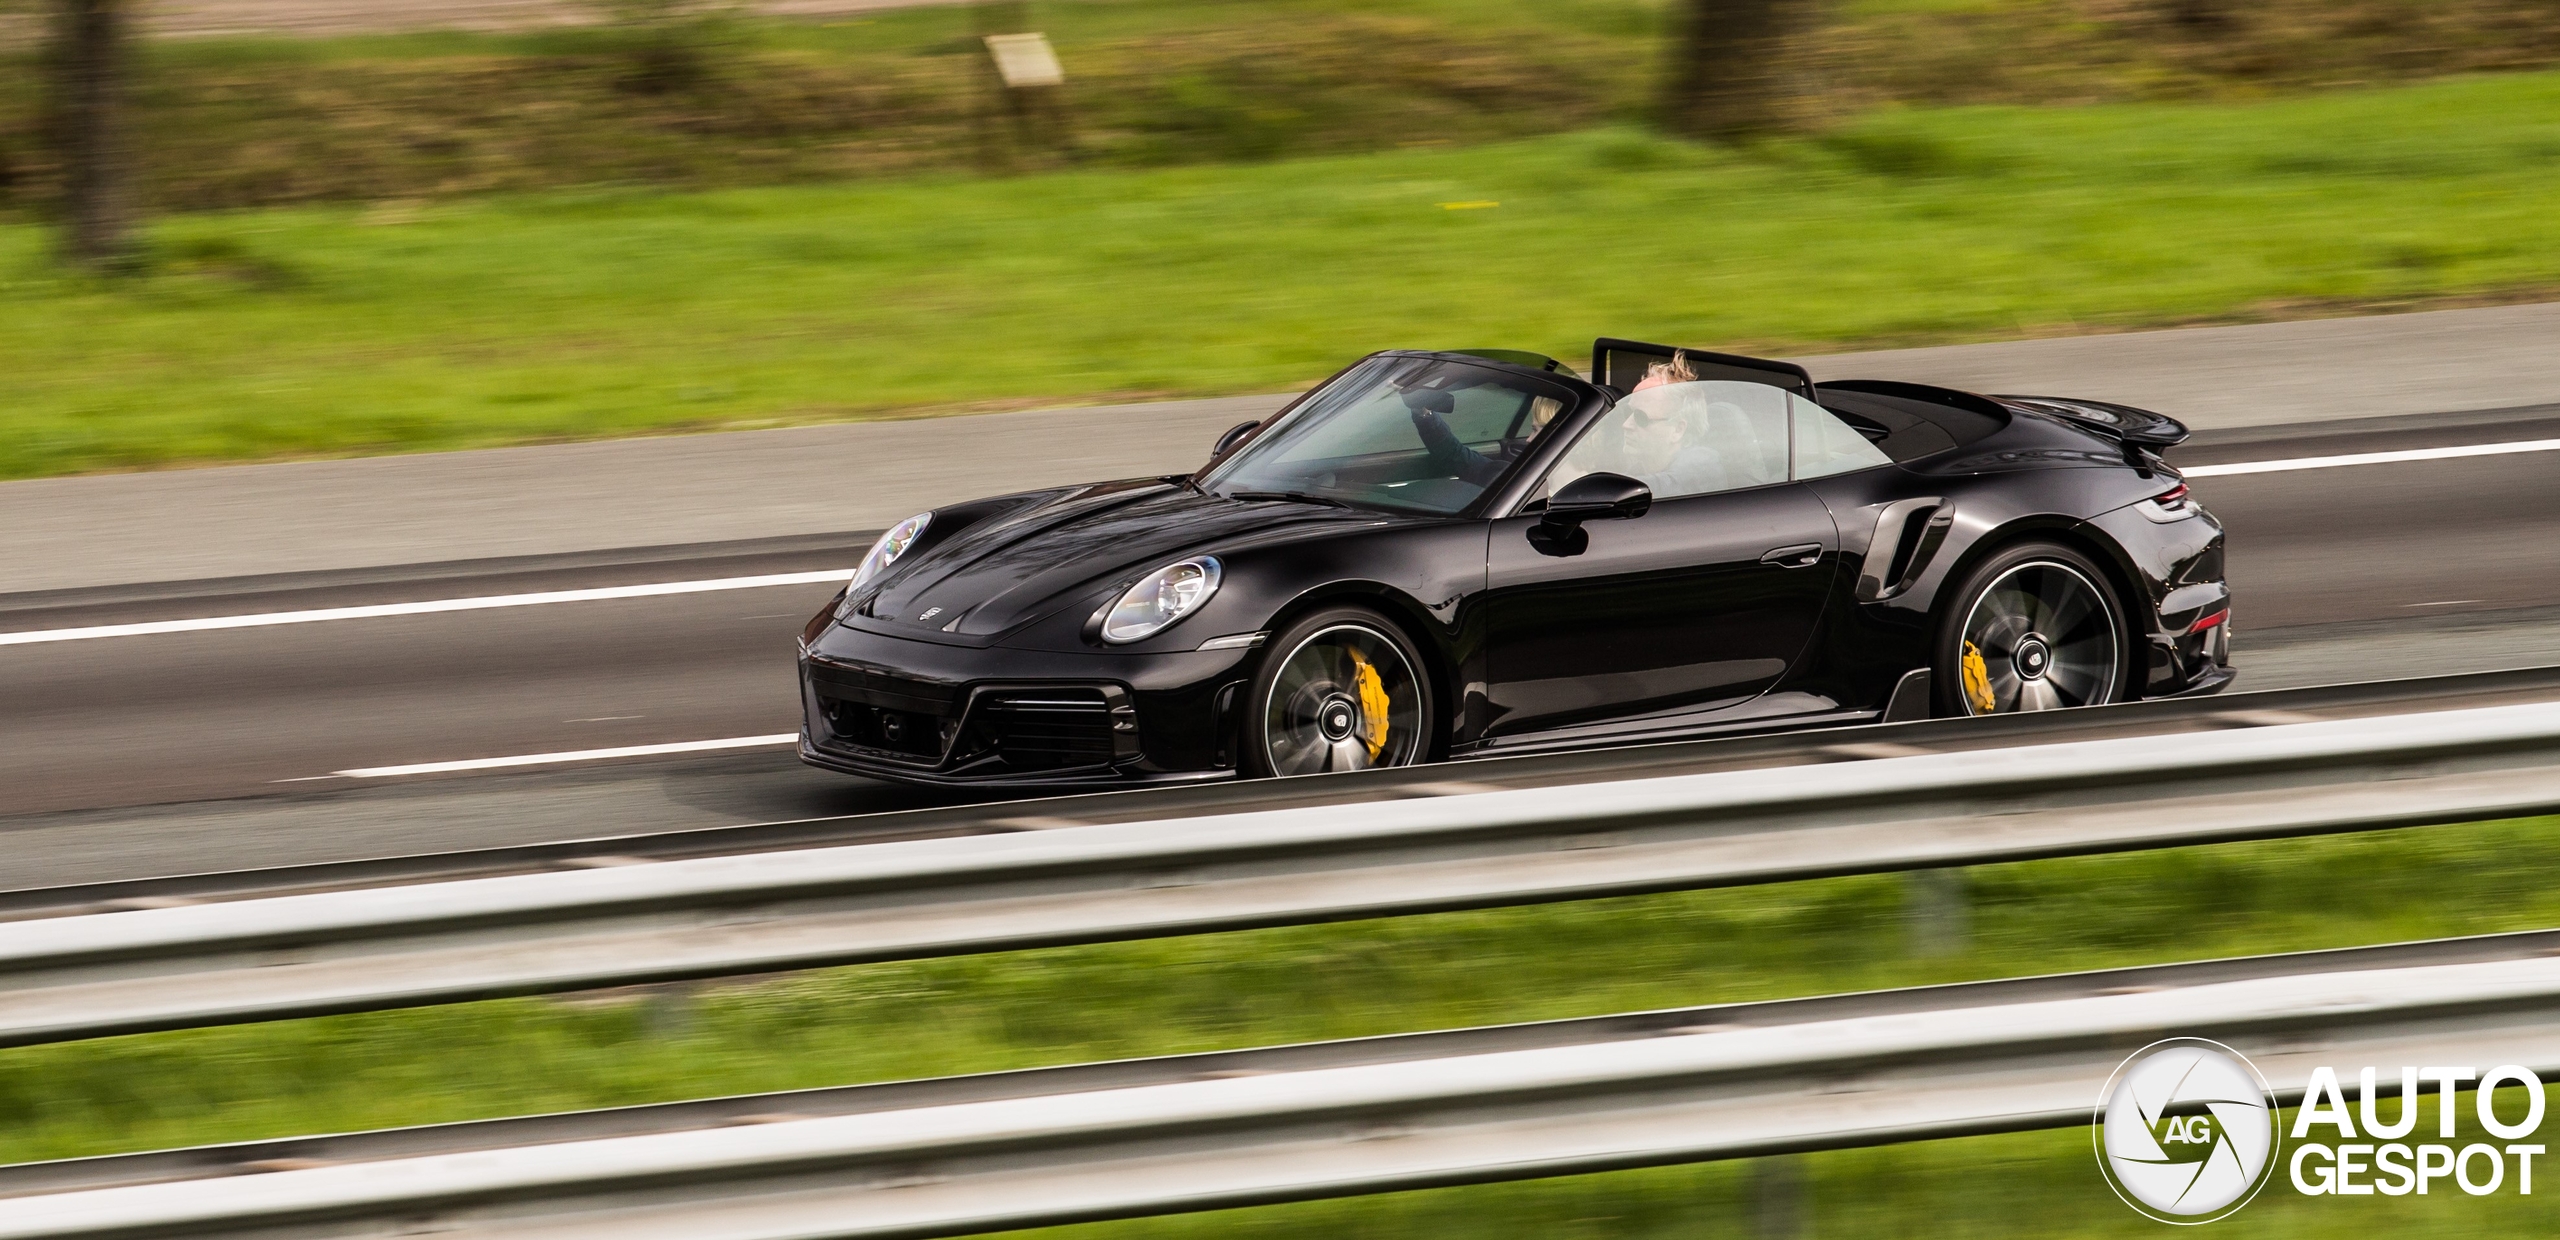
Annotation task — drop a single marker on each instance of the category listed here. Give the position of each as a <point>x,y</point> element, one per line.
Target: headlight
<point>1160,598</point>
<point>891,545</point>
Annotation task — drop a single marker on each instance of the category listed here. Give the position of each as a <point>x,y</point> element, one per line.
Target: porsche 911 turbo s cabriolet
<point>1447,555</point>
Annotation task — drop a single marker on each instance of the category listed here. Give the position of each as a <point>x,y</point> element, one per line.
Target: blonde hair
<point>1674,371</point>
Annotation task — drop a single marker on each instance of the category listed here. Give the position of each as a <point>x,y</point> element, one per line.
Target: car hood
<point>1023,564</point>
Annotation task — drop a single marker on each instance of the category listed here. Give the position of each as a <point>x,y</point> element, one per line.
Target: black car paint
<point>1668,624</point>
<point>1612,638</point>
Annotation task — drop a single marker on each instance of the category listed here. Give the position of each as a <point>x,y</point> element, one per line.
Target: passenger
<point>1681,436</point>
<point>1661,429</point>
<point>1664,374</point>
<point>1663,441</point>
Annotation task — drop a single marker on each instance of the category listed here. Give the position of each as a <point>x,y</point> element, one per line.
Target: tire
<point>1313,709</point>
<point>2041,627</point>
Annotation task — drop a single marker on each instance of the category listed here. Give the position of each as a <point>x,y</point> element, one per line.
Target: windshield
<point>1396,432</point>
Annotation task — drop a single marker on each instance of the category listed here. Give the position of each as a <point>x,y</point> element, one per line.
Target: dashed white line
<point>574,755</point>
<point>2371,458</point>
<point>425,608</point>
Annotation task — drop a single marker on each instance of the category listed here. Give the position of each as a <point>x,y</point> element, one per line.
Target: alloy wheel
<point>2042,636</point>
<point>1345,699</point>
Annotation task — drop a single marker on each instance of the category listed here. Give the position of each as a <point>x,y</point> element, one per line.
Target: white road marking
<point>434,606</point>
<point>574,755</point>
<point>2371,458</point>
<point>426,608</point>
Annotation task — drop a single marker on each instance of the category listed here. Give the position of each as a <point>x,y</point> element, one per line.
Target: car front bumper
<point>927,713</point>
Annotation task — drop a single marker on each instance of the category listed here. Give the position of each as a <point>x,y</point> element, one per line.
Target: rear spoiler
<point>2134,427</point>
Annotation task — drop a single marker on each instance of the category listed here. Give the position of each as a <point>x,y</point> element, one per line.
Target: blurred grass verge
<point>2043,1185</point>
<point>413,325</point>
<point>1024,1009</point>
<point>689,94</point>
<point>694,93</point>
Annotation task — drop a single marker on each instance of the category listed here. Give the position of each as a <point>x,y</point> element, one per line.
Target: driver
<point>1430,405</point>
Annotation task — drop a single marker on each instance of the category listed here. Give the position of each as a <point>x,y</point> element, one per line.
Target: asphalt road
<point>87,533</point>
<point>130,756</point>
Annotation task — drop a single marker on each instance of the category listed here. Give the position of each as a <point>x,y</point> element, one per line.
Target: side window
<point>1826,445</point>
<point>1685,439</point>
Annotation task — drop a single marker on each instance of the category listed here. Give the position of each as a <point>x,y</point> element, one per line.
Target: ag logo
<point>2186,1131</point>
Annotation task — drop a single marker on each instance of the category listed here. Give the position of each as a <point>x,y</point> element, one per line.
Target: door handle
<point>1803,556</point>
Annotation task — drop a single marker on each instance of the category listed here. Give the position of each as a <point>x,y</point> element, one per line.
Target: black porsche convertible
<point>1446,555</point>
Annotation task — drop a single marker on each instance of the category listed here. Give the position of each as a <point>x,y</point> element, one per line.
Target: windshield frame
<point>1578,397</point>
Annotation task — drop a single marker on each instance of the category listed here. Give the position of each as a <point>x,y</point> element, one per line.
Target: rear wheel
<point>2035,627</point>
<point>1342,691</point>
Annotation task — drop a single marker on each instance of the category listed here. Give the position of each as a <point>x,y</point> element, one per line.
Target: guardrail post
<point>1935,906</point>
<point>668,1011</point>
<point>1779,1209</point>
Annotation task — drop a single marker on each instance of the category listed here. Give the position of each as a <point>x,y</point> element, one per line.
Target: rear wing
<point>2136,427</point>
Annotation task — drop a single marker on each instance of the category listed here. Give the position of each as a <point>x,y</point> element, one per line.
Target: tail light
<point>2167,506</point>
<point>2208,622</point>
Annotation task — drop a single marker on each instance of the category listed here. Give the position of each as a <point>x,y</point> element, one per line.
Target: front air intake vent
<point>1048,729</point>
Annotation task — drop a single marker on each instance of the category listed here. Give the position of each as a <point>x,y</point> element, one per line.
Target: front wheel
<point>1342,691</point>
<point>2036,627</point>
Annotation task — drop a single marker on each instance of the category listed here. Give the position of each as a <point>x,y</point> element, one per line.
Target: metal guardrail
<point>2224,712</point>
<point>108,973</point>
<point>972,1154</point>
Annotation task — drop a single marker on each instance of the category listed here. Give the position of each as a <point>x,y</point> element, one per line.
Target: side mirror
<point>1598,497</point>
<point>1591,497</point>
<point>1235,435</point>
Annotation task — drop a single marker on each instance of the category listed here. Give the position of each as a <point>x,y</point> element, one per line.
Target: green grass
<point>1208,992</point>
<point>1072,25</point>
<point>232,123</point>
<point>2042,1185</point>
<point>581,314</point>
<point>235,122</point>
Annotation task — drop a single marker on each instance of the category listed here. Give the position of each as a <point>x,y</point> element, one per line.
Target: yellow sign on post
<point>1026,60</point>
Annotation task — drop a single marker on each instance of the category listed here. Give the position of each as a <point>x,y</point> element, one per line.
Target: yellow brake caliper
<point>1373,706</point>
<point>1977,682</point>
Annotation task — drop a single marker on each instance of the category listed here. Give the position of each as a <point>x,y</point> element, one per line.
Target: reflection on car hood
<point>1015,567</point>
